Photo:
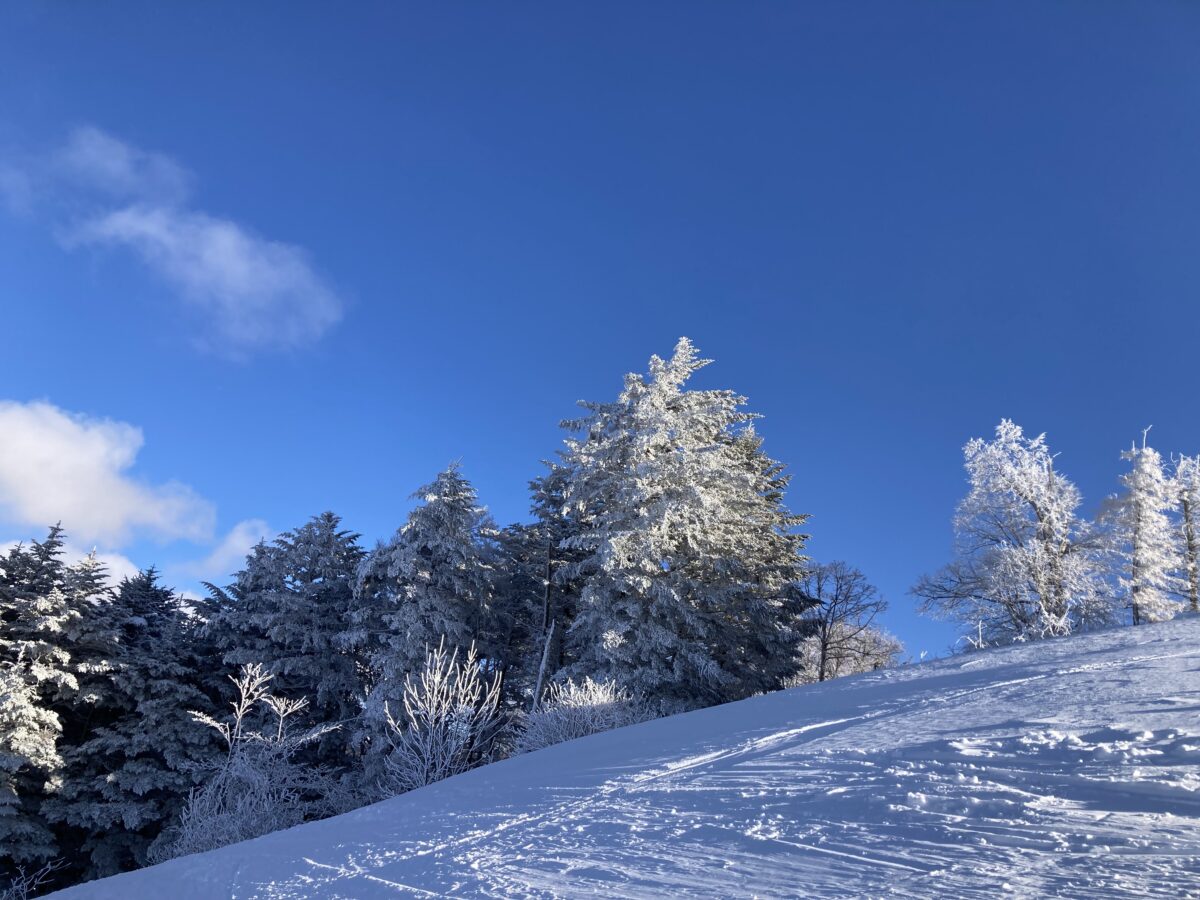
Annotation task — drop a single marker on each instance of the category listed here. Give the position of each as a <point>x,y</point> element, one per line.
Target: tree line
<point>1028,565</point>
<point>661,571</point>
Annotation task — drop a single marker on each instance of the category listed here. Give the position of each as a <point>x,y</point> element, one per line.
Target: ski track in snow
<point>1065,768</point>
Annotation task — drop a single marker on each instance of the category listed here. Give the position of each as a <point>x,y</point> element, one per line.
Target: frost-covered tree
<point>29,769</point>
<point>432,580</point>
<point>288,611</point>
<point>518,606</point>
<point>1186,483</point>
<point>538,583</point>
<point>1027,566</point>
<point>688,555</point>
<point>843,639</point>
<point>432,583</point>
<point>1144,539</point>
<point>36,612</point>
<point>131,771</point>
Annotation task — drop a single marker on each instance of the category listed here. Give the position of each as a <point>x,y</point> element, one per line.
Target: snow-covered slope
<point>1069,767</point>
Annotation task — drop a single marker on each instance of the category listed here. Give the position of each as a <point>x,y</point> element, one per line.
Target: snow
<point>1065,767</point>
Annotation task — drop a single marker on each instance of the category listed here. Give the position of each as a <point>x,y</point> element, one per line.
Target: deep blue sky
<point>890,224</point>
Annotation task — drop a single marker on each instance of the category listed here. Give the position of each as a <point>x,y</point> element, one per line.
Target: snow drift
<point>1068,767</point>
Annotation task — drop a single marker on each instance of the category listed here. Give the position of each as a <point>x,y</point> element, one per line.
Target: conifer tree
<point>1145,539</point>
<point>129,776</point>
<point>431,583</point>
<point>29,770</point>
<point>1186,483</point>
<point>35,613</point>
<point>288,611</point>
<point>689,557</point>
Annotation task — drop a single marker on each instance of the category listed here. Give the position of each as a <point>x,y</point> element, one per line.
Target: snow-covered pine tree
<point>517,606</point>
<point>432,581</point>
<point>288,611</point>
<point>689,557</point>
<point>35,613</point>
<point>90,639</point>
<point>1027,566</point>
<point>130,774</point>
<point>1144,539</point>
<point>29,770</point>
<point>1186,482</point>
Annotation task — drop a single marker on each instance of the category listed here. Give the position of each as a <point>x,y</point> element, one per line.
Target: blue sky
<point>307,254</point>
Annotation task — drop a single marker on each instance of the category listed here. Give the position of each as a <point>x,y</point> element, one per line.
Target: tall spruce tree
<point>35,613</point>
<point>689,556</point>
<point>288,611</point>
<point>432,581</point>
<point>90,640</point>
<point>30,768</point>
<point>130,773</point>
<point>1186,483</point>
<point>1145,539</point>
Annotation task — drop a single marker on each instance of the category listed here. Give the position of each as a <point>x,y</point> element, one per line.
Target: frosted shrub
<point>575,709</point>
<point>450,722</point>
<point>258,787</point>
<point>25,883</point>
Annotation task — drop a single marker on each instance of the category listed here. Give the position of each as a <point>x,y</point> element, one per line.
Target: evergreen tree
<point>432,582</point>
<point>35,612</point>
<point>90,640</point>
<point>288,611</point>
<point>517,607</point>
<point>129,777</point>
<point>689,557</point>
<point>29,770</point>
<point>1186,483</point>
<point>1145,539</point>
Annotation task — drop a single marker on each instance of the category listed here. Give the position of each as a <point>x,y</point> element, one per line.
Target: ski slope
<point>1069,767</point>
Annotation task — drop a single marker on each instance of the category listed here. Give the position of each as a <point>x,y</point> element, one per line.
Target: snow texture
<point>1066,767</point>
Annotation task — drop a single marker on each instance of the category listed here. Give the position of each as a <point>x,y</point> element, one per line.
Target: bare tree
<point>844,638</point>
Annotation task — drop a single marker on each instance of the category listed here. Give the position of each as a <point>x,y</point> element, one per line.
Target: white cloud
<point>256,292</point>
<point>59,466</point>
<point>229,555</point>
<point>92,159</point>
<point>253,292</point>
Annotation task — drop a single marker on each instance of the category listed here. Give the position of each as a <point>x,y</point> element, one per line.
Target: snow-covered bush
<point>450,722</point>
<point>576,709</point>
<point>258,787</point>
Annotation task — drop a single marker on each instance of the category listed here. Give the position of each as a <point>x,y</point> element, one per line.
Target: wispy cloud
<point>230,554</point>
<point>96,161</point>
<point>255,293</point>
<point>59,466</point>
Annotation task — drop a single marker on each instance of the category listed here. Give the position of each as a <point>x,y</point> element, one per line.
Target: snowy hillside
<point>1067,767</point>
